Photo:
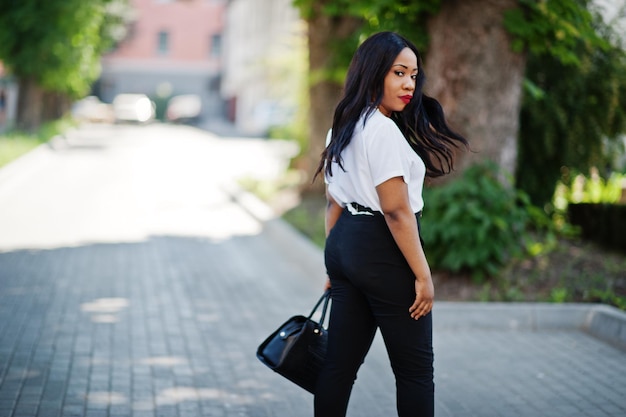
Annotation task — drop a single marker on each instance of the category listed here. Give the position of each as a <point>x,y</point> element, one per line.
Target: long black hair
<point>422,121</point>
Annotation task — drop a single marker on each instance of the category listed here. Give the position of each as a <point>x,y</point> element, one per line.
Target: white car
<point>91,109</point>
<point>133,108</point>
<point>184,108</point>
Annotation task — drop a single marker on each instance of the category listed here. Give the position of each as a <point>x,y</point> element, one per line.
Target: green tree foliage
<point>403,16</point>
<point>541,27</point>
<point>575,103</point>
<point>58,43</point>
<point>554,27</point>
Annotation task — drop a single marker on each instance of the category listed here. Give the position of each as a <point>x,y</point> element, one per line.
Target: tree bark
<point>56,105</point>
<point>29,106</point>
<point>324,93</point>
<point>36,106</point>
<point>473,72</point>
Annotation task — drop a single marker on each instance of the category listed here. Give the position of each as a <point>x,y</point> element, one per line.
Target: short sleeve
<point>387,150</point>
<point>328,137</point>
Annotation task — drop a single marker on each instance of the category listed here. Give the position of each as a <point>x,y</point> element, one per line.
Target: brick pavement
<point>144,288</point>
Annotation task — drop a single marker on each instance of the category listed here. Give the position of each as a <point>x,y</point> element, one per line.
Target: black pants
<point>373,287</point>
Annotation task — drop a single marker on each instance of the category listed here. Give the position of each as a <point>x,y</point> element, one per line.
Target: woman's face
<point>399,83</point>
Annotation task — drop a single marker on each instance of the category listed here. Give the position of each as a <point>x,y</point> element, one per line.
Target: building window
<point>163,43</point>
<point>216,46</point>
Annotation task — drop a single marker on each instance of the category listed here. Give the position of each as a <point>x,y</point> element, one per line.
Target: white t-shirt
<point>376,153</point>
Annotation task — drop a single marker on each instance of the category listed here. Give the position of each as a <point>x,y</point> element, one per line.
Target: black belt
<point>360,208</point>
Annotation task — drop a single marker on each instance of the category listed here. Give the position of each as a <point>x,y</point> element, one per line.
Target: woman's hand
<point>327,284</point>
<point>424,297</point>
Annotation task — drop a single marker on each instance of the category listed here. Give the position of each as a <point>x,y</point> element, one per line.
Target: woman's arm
<point>394,200</point>
<point>333,211</point>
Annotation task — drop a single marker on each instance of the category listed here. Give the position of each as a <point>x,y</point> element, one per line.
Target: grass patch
<point>14,144</point>
<point>308,218</point>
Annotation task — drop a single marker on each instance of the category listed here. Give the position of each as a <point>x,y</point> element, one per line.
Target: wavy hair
<point>422,121</point>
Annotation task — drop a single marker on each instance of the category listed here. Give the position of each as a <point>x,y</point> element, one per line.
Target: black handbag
<point>297,349</point>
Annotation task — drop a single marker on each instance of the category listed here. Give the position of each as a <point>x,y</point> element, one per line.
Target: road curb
<point>30,161</point>
<point>599,320</point>
<point>23,162</point>
<point>292,243</point>
<point>609,324</point>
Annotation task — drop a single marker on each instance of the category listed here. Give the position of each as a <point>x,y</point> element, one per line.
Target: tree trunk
<point>29,106</point>
<point>56,105</point>
<point>473,72</point>
<point>324,93</point>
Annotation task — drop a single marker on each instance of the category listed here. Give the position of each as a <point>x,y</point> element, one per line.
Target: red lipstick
<point>406,99</point>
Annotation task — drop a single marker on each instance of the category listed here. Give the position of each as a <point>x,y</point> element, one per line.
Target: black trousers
<point>373,287</point>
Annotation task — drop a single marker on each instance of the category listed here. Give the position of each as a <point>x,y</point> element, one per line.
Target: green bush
<point>476,224</point>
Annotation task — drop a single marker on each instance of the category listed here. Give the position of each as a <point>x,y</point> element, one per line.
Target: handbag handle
<point>324,298</point>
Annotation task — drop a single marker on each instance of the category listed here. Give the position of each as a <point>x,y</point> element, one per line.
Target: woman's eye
<point>400,73</point>
<point>414,77</point>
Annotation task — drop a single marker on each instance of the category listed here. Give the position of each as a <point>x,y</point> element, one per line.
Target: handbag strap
<point>324,298</point>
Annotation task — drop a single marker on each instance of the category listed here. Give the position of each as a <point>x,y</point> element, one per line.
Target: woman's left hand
<point>424,298</point>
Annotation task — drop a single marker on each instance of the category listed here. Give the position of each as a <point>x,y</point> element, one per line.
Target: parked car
<point>133,108</point>
<point>91,109</point>
<point>184,108</point>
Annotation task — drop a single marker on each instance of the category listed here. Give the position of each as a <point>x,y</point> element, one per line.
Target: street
<point>125,183</point>
<point>134,281</point>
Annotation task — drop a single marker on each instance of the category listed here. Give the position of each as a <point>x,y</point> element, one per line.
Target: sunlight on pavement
<point>177,395</point>
<point>105,305</point>
<point>164,361</point>
<point>104,309</point>
<point>112,184</point>
<point>106,398</point>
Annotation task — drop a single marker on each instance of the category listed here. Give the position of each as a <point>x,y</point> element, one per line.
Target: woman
<point>386,137</point>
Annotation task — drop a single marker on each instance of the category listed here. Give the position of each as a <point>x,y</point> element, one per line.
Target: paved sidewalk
<point>135,280</point>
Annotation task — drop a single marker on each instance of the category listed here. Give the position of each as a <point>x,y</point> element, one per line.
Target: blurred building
<point>173,47</point>
<point>263,59</point>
